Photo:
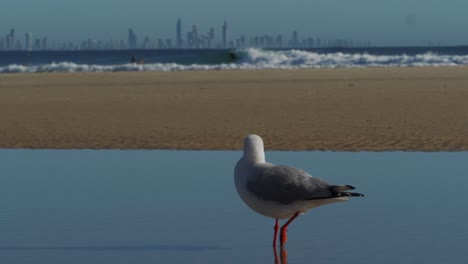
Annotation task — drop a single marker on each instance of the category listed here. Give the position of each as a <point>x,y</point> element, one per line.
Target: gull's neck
<point>253,151</point>
<point>255,158</point>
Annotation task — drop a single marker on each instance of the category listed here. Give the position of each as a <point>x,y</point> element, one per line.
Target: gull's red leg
<point>275,253</point>
<point>284,230</point>
<point>276,233</point>
<point>283,257</point>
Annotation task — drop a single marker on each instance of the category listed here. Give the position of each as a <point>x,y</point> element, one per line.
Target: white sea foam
<point>261,59</point>
<point>306,59</point>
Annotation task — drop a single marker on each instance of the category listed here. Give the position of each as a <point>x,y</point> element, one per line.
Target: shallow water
<point>85,206</point>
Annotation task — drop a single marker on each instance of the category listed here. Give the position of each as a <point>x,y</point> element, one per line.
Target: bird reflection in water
<point>283,255</point>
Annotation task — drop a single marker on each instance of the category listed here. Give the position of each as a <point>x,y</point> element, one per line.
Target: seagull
<point>279,191</point>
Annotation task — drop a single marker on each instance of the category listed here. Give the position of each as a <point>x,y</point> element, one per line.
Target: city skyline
<point>194,39</point>
<point>384,23</point>
<point>188,39</point>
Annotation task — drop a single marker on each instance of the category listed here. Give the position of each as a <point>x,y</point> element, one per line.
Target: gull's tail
<point>342,191</point>
<point>339,191</point>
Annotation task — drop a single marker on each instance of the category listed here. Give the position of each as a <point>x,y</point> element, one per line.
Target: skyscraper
<point>8,42</point>
<point>18,45</point>
<point>132,40</point>
<point>44,43</point>
<point>146,43</point>
<point>195,37</point>
<point>12,38</point>
<point>295,39</point>
<point>279,41</point>
<point>211,33</point>
<point>242,41</point>
<point>189,40</point>
<point>210,38</point>
<point>37,44</point>
<point>225,35</point>
<point>28,41</point>
<point>179,34</point>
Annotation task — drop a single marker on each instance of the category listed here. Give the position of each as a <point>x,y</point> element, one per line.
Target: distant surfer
<point>133,60</point>
<point>232,55</point>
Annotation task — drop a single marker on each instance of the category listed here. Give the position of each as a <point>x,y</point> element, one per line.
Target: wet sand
<point>424,109</point>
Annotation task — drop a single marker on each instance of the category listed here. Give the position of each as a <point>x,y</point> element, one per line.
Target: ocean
<point>245,59</point>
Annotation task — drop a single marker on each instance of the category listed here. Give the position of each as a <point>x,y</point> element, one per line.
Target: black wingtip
<point>348,194</point>
<point>350,187</point>
<point>337,195</point>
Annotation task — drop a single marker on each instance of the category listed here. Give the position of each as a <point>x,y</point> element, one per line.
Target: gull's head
<point>253,149</point>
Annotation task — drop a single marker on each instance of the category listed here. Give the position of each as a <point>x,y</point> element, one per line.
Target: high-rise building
<point>211,34</point>
<point>17,45</point>
<point>7,42</point>
<point>12,38</point>
<point>179,34</point>
<point>37,44</point>
<point>168,44</point>
<point>44,43</point>
<point>242,41</point>
<point>28,41</point>
<point>146,43</point>
<point>161,44</point>
<point>310,43</point>
<point>189,40</point>
<point>225,35</point>
<point>195,37</point>
<point>295,39</point>
<point>132,39</point>
<point>279,41</point>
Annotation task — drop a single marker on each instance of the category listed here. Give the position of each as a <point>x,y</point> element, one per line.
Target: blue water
<point>185,60</point>
<point>114,57</point>
<point>84,206</point>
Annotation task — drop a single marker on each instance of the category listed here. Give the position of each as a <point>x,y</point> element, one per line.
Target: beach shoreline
<point>355,109</point>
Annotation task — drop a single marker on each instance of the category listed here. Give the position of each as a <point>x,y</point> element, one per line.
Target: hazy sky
<point>384,22</point>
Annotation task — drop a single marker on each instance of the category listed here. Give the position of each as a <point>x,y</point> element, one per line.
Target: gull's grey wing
<point>286,184</point>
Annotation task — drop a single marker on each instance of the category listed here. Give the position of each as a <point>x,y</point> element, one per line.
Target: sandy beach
<point>376,109</point>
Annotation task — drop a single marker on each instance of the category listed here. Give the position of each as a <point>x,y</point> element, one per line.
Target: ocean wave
<point>262,59</point>
<point>306,59</point>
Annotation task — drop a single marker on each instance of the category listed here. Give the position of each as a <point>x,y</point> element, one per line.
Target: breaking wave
<point>261,59</point>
